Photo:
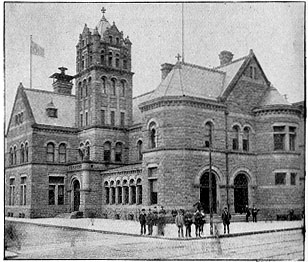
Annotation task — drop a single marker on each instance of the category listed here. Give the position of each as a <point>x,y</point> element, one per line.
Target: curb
<point>160,237</point>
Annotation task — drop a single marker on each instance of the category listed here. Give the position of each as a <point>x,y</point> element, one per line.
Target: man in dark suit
<point>226,217</point>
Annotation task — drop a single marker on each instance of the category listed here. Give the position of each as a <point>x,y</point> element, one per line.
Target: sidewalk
<point>127,227</point>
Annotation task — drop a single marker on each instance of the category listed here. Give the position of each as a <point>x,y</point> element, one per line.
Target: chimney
<point>61,82</point>
<point>225,57</point>
<point>165,70</point>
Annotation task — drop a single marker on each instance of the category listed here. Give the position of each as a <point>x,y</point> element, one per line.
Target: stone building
<point>102,151</point>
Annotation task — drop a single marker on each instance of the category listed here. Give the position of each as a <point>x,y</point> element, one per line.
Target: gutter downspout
<point>227,156</point>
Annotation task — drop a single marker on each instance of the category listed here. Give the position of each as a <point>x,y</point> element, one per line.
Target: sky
<point>274,30</point>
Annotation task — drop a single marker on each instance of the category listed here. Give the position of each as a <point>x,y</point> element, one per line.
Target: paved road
<point>39,242</point>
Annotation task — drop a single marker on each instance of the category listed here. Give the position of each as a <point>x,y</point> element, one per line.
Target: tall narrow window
<point>62,153</point>
<point>23,191</point>
<point>26,152</point>
<point>117,60</point>
<point>15,155</point>
<point>22,153</point>
<point>235,137</point>
<point>153,135</point>
<point>80,90</point>
<point>102,57</point>
<point>118,152</point>
<point>153,192</point>
<point>119,192</point>
<point>112,120</point>
<point>125,64</point>
<point>104,85</point>
<point>122,88</point>
<point>113,86</point>
<point>81,119</point>
<point>87,118</point>
<point>208,134</point>
<point>122,119</point>
<point>113,196</point>
<point>12,192</point>
<point>110,39</point>
<point>279,138</point>
<point>132,191</point>
<point>246,139</point>
<point>118,40</point>
<point>89,85</point>
<point>107,195</point>
<point>139,150</point>
<point>11,156</point>
<point>139,191</point>
<point>87,149</point>
<point>85,87</point>
<point>110,59</point>
<point>125,192</point>
<point>50,152</point>
<point>107,151</point>
<point>292,138</point>
<point>293,179</point>
<point>103,120</point>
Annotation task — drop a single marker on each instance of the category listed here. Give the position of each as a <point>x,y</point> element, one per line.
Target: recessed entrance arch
<point>205,192</point>
<point>240,193</point>
<point>76,195</point>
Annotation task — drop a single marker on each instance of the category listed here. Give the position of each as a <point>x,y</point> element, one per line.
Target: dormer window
<point>117,61</point>
<point>253,72</point>
<point>118,40</point>
<point>110,39</point>
<point>51,110</point>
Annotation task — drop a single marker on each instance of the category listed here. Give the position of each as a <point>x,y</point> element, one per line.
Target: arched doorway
<point>240,193</point>
<point>76,195</point>
<point>205,194</point>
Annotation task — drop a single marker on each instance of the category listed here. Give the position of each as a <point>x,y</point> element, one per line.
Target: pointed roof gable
<point>137,115</point>
<point>39,100</point>
<point>103,25</point>
<point>273,97</point>
<point>190,80</point>
<point>236,69</point>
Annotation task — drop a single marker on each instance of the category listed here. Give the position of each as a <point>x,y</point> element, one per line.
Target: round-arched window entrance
<point>76,194</point>
<point>205,192</point>
<point>240,193</point>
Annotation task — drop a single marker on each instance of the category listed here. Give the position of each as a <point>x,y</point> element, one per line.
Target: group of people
<point>254,213</point>
<point>151,219</point>
<point>187,218</point>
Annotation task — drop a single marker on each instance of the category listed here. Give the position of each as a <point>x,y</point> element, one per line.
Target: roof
<point>273,97</point>
<point>39,100</point>
<point>190,80</point>
<point>137,116</point>
<point>231,69</point>
<point>103,25</point>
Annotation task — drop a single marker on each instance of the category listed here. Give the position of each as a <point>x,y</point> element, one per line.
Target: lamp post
<point>210,183</point>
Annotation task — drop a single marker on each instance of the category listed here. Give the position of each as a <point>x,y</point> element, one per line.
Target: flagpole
<point>30,61</point>
<point>183,32</point>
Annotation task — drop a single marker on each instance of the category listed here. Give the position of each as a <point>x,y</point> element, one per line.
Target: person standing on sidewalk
<point>254,212</point>
<point>226,217</point>
<point>150,222</point>
<point>155,220</point>
<point>161,221</point>
<point>247,211</point>
<point>179,221</point>
<point>142,220</point>
<point>188,222</point>
<point>198,221</point>
<point>202,221</point>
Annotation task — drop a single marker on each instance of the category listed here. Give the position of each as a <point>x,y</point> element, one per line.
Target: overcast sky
<point>275,32</point>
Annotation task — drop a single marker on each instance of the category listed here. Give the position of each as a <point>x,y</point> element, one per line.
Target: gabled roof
<point>190,80</point>
<point>137,116</point>
<point>273,97</point>
<point>39,100</point>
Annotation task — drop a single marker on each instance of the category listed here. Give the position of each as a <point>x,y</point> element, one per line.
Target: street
<point>39,242</point>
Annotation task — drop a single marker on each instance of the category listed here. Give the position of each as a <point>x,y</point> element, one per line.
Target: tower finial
<point>103,10</point>
<point>178,57</point>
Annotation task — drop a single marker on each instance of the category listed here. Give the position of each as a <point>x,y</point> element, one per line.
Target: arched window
<point>110,58</point>
<point>15,155</point>
<point>80,90</point>
<point>235,137</point>
<point>81,151</point>
<point>139,191</point>
<point>102,57</point>
<point>82,63</point>
<point>113,196</point>
<point>107,192</point>
<point>26,152</point>
<point>139,149</point>
<point>87,150</point>
<point>123,84</point>
<point>22,153</point>
<point>118,152</point>
<point>89,85</point>
<point>110,39</point>
<point>153,135</point>
<point>113,86</point>
<point>107,151</point>
<point>119,192</point>
<point>11,156</point>
<point>132,191</point>
<point>208,134</point>
<point>62,153</point>
<point>50,152</point>
<point>118,40</point>
<point>85,87</point>
<point>104,84</point>
<point>117,60</point>
<point>125,192</point>
<point>246,139</point>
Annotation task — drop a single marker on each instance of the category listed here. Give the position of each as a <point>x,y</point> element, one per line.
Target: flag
<point>36,49</point>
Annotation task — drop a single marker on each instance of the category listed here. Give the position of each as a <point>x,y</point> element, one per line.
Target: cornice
<point>55,129</point>
<point>106,69</point>
<point>277,109</point>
